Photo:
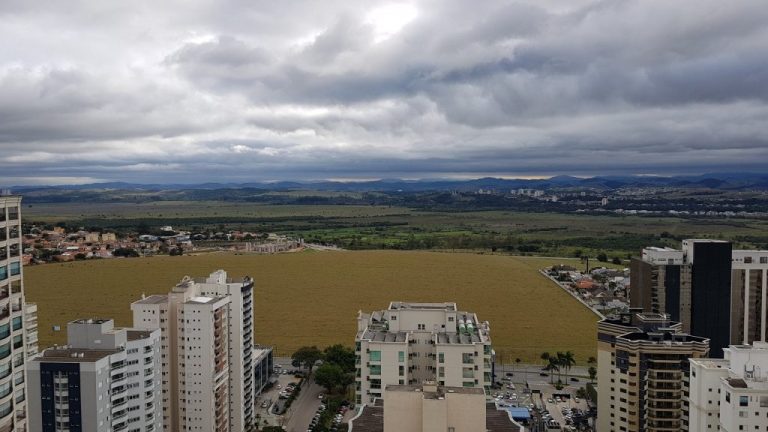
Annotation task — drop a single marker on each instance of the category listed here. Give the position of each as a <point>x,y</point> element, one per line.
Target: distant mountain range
<point>721,181</point>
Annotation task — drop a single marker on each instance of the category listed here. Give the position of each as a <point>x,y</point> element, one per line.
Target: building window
<point>401,356</point>
<point>743,401</point>
<point>747,260</point>
<point>375,370</point>
<point>441,357</point>
<point>375,356</point>
<point>763,260</point>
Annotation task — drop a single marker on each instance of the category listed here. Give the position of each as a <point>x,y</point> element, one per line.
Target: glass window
<point>3,273</point>
<point>15,268</point>
<point>467,373</point>
<point>763,260</point>
<point>401,370</point>
<point>441,357</point>
<point>3,235</point>
<point>3,253</point>
<point>467,358</point>
<point>375,356</point>
<point>743,401</point>
<point>375,369</point>
<point>747,260</point>
<point>16,323</point>
<point>14,250</point>
<point>401,356</point>
<point>13,232</point>
<point>13,213</point>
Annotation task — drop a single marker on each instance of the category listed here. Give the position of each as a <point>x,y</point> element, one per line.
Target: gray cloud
<point>241,91</point>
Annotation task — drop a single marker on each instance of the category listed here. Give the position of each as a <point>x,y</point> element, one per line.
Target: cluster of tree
<point>558,362</point>
<point>337,370</point>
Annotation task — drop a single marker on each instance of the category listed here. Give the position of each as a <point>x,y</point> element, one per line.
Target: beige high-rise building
<point>13,337</point>
<point>641,359</point>
<point>410,343</point>
<point>207,345</point>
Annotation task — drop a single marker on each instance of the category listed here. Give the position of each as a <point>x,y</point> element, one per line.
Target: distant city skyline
<point>235,91</point>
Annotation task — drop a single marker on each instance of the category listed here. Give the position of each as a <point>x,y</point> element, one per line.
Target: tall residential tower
<point>13,340</point>
<point>207,345</point>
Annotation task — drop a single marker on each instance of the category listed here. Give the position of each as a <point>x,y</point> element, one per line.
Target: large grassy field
<point>313,298</point>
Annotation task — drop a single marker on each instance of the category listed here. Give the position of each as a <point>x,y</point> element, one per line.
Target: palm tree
<point>560,359</point>
<point>591,360</point>
<point>552,366</point>
<point>592,373</point>
<point>545,356</point>
<point>569,359</point>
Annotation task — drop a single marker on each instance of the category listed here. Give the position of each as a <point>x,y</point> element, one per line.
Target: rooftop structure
<point>409,343</point>
<point>429,407</point>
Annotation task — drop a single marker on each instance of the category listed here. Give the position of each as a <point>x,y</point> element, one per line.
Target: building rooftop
<point>371,419</point>
<point>91,321</point>
<point>72,355</point>
<point>383,336</point>
<point>457,338</point>
<point>138,334</point>
<point>440,391</point>
<point>451,307</point>
<point>711,363</point>
<point>153,299</point>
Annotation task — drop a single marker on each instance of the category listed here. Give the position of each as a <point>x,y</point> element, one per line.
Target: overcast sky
<point>190,91</point>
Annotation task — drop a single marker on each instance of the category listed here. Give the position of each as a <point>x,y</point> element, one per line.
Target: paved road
<point>304,408</point>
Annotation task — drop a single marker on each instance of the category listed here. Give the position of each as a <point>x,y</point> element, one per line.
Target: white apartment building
<point>30,326</point>
<point>410,343</point>
<point>13,349</point>
<point>730,394</point>
<point>106,379</point>
<point>207,345</point>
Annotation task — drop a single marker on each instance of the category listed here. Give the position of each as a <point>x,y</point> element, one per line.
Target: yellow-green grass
<point>313,298</point>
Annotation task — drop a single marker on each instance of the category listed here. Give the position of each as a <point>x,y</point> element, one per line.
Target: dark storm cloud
<point>296,89</point>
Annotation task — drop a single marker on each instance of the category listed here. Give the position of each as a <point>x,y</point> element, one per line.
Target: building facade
<point>13,341</point>
<point>410,343</point>
<point>207,342</point>
<point>730,394</point>
<point>428,407</point>
<point>105,379</point>
<point>641,362</point>
<point>714,291</point>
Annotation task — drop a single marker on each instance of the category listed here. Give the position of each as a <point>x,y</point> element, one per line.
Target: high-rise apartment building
<point>30,328</point>
<point>641,361</point>
<point>207,345</point>
<point>106,379</point>
<point>410,343</point>
<point>729,394</point>
<point>13,342</point>
<point>714,291</point>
